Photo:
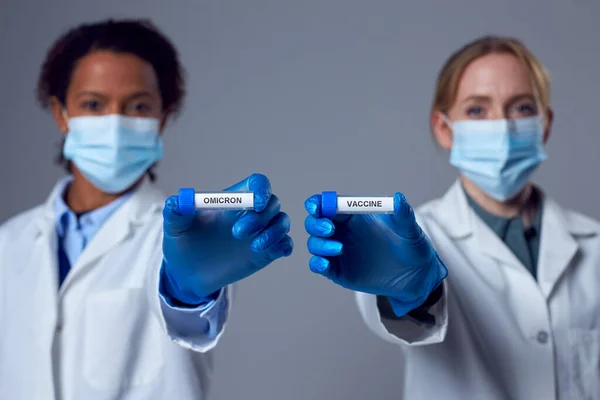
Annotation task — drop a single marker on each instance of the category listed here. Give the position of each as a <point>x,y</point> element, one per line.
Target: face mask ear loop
<point>542,115</point>
<point>65,115</point>
<point>447,121</point>
<point>542,112</point>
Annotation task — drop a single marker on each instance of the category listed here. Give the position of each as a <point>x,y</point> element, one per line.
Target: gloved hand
<point>214,248</point>
<point>381,254</point>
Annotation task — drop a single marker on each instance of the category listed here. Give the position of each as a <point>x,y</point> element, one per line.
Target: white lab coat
<point>500,334</point>
<point>104,335</point>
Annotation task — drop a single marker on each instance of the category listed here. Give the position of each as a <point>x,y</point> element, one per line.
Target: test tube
<point>332,204</point>
<point>190,201</point>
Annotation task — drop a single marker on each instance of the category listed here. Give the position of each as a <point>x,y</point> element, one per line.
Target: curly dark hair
<point>138,37</point>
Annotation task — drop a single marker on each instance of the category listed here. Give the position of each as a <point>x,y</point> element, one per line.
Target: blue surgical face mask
<point>499,156</point>
<point>113,151</point>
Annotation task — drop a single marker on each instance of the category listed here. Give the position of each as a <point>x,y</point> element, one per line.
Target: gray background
<point>318,95</point>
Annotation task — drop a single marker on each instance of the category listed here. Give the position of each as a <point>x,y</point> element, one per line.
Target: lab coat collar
<point>560,232</point>
<point>147,200</point>
<point>141,202</point>
<point>94,219</point>
<point>576,224</point>
<point>459,219</point>
<point>461,222</point>
<point>454,212</point>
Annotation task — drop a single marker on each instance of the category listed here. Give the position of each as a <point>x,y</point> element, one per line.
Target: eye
<point>526,109</point>
<point>91,105</point>
<point>140,108</point>
<point>475,112</point>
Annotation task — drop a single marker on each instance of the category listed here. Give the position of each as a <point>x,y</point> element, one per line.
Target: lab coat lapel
<point>558,246</point>
<point>45,288</point>
<point>454,213</point>
<point>492,246</point>
<point>117,228</point>
<point>461,221</point>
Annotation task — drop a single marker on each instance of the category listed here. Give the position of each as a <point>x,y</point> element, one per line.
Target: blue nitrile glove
<point>382,254</point>
<point>214,248</point>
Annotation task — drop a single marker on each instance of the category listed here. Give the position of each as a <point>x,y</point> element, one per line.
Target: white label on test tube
<point>364,205</point>
<point>224,200</point>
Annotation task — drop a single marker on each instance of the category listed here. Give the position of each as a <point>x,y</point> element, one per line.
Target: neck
<point>524,204</point>
<point>82,196</point>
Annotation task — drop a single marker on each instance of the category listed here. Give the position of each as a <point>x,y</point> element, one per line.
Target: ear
<point>441,130</point>
<point>57,113</point>
<point>548,124</point>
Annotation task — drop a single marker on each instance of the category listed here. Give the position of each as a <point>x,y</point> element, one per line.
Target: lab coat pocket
<point>585,364</point>
<point>122,342</point>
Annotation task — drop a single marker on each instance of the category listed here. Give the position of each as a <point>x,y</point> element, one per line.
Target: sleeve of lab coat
<point>204,324</point>
<point>406,331</point>
<point>198,329</point>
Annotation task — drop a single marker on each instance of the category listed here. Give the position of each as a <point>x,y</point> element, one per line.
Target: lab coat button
<point>542,337</point>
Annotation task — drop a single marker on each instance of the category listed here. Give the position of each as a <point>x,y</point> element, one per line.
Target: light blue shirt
<point>77,231</point>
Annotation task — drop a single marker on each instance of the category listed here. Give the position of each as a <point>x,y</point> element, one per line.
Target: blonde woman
<point>492,290</point>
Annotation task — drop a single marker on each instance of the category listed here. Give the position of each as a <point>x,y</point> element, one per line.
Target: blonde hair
<point>449,76</point>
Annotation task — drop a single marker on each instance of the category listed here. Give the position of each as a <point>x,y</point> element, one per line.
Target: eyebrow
<point>480,98</point>
<point>487,99</point>
<point>98,94</point>
<point>139,94</point>
<point>89,93</point>
<point>523,96</point>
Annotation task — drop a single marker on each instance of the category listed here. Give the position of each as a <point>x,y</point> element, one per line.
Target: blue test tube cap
<point>186,201</point>
<point>329,204</point>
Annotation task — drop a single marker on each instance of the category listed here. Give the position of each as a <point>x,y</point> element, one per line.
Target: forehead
<point>499,76</point>
<point>110,72</point>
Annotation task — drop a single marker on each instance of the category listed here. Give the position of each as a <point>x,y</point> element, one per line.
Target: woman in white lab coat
<point>100,296</point>
<point>517,316</point>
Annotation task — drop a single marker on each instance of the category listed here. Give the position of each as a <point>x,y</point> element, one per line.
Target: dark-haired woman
<point>107,291</point>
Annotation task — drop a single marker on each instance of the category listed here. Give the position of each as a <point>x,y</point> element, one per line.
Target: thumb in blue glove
<point>381,254</point>
<point>214,248</point>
